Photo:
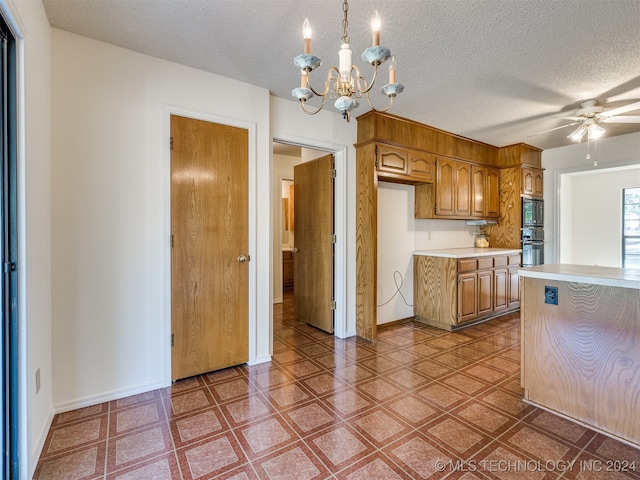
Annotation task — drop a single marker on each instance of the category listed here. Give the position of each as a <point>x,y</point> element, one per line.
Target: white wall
<point>595,224</point>
<point>34,200</point>
<point>612,152</point>
<point>399,234</point>
<point>110,180</point>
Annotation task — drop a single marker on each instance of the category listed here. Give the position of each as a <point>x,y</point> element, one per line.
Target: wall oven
<point>532,246</point>
<point>532,212</point>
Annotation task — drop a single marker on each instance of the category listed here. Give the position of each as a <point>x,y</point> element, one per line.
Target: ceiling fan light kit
<point>345,83</point>
<point>590,114</point>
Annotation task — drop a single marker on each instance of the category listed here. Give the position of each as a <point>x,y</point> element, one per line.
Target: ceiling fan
<point>590,114</point>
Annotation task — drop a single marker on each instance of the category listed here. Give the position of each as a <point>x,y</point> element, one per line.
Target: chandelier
<point>345,83</point>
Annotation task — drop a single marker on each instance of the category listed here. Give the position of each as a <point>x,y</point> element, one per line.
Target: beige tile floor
<point>419,403</point>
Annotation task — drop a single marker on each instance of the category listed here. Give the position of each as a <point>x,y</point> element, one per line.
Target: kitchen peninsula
<point>581,345</point>
<point>456,287</point>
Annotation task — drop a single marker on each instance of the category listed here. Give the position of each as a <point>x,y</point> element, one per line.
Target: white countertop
<point>467,252</point>
<point>609,276</point>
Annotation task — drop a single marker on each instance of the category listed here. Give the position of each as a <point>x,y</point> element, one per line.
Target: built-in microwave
<point>532,212</point>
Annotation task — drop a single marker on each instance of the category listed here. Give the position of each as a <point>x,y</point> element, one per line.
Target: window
<point>631,227</point>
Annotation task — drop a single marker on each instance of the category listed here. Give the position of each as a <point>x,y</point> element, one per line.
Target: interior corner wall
<point>34,227</point>
<point>623,150</point>
<point>399,235</point>
<point>110,196</point>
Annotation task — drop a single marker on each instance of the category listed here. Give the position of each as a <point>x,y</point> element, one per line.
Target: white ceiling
<point>496,71</point>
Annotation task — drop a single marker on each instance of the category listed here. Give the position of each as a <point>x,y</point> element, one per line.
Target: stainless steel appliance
<point>532,246</point>
<point>532,212</point>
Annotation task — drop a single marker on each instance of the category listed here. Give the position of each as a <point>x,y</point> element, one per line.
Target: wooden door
<point>313,231</point>
<point>209,254</point>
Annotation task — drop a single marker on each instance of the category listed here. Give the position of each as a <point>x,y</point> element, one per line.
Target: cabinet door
<point>392,159</point>
<point>514,288</point>
<point>538,183</point>
<point>478,187</point>
<point>527,181</point>
<point>462,186</point>
<point>492,193</point>
<point>445,187</point>
<point>467,297</point>
<point>532,181</point>
<point>485,292</point>
<point>500,282</point>
<point>422,166</point>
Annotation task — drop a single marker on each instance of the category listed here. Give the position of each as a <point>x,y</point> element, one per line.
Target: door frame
<point>340,224</point>
<point>165,324</point>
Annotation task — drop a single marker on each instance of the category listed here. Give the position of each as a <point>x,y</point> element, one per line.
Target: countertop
<point>467,252</point>
<point>609,276</point>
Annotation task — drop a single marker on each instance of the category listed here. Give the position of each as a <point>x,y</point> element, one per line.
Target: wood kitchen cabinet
<point>451,292</point>
<point>402,165</point>
<point>461,190</point>
<point>532,181</point>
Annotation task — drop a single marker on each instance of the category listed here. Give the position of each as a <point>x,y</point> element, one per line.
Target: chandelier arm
<point>379,109</point>
<point>368,86</point>
<point>327,84</point>
<point>313,112</point>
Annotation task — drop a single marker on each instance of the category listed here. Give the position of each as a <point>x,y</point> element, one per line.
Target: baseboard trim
<point>39,444</point>
<point>106,397</point>
<point>261,359</point>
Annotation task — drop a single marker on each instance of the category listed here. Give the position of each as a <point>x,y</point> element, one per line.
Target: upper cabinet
<point>462,190</point>
<point>532,181</point>
<point>403,165</point>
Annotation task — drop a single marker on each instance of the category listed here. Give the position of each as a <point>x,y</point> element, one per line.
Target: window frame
<point>627,256</point>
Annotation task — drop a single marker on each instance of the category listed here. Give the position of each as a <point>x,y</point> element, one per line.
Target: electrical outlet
<point>551,295</point>
<point>37,381</point>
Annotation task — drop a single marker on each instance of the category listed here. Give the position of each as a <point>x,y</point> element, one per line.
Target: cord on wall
<point>397,274</point>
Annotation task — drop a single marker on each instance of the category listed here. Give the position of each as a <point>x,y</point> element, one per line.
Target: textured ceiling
<point>497,71</point>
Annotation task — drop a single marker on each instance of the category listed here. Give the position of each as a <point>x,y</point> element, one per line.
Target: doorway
<point>289,151</point>
<point>209,246</point>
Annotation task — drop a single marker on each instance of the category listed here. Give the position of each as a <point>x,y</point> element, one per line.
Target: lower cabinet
<point>451,292</point>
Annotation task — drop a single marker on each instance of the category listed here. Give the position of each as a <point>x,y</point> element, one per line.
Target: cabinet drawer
<point>467,265</point>
<point>514,259</point>
<point>485,262</point>
<point>500,261</point>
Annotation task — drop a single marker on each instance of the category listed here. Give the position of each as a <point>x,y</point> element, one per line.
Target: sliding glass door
<point>8,248</point>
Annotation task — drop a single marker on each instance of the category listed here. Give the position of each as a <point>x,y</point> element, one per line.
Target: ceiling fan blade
<point>628,119</point>
<point>619,110</point>
<point>575,119</point>
<point>552,129</point>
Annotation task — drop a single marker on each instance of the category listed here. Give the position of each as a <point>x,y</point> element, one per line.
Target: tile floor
<point>419,403</point>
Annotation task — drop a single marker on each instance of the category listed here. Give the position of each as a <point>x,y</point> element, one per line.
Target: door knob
<point>243,258</point>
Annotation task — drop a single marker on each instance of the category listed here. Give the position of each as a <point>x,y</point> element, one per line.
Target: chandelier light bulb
<point>376,24</point>
<point>392,69</point>
<point>306,34</point>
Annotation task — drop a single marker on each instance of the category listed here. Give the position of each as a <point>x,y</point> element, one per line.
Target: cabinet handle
<point>294,250</point>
